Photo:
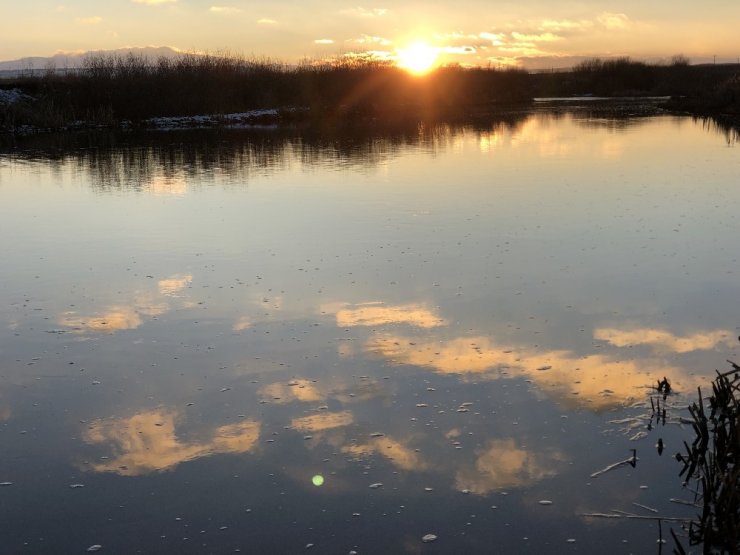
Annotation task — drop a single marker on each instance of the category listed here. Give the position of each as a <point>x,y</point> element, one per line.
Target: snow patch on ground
<point>11,96</point>
<point>251,117</point>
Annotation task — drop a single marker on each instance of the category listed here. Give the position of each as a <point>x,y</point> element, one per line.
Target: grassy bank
<point>109,90</point>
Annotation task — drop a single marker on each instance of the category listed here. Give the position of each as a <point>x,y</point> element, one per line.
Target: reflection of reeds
<point>710,466</point>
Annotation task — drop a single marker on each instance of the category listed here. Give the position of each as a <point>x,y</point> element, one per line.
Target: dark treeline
<point>703,89</point>
<point>112,89</point>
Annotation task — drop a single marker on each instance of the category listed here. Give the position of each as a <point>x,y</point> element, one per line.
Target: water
<point>260,340</point>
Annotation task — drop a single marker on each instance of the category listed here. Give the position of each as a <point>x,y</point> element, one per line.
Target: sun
<point>417,57</point>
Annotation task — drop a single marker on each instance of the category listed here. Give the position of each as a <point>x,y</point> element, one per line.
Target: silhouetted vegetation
<point>109,90</point>
<point>711,466</point>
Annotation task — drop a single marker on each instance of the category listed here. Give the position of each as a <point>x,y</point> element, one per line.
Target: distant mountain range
<point>73,60</point>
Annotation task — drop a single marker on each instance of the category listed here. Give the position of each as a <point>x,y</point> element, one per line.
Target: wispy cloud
<point>664,340</point>
<point>543,37</point>
<point>266,21</point>
<point>365,12</point>
<point>323,41</point>
<point>224,9</point>
<point>565,25</point>
<point>458,49</point>
<point>369,39</point>
<point>614,20</point>
<point>154,2</point>
<point>91,20</point>
<point>496,39</point>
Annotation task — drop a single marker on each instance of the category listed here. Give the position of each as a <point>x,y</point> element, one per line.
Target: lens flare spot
<point>318,480</point>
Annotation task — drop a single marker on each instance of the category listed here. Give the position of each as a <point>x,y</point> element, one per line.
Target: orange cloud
<point>147,442</point>
<point>322,421</point>
<point>503,464</point>
<point>302,390</point>
<point>665,340</point>
<point>596,381</point>
<point>377,314</point>
<point>398,454</point>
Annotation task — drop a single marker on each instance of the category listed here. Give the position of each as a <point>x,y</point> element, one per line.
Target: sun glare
<point>417,58</point>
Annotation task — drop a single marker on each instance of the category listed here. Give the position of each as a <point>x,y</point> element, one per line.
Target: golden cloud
<point>398,454</point>
<point>174,284</point>
<point>503,464</point>
<point>541,37</point>
<point>147,442</point>
<point>665,340</point>
<point>365,12</point>
<point>377,314</point>
<point>322,421</point>
<point>128,316</point>
<point>115,318</point>
<point>614,21</point>
<point>596,381</point>
<point>566,25</point>
<point>302,390</point>
<point>242,324</point>
<point>223,9</point>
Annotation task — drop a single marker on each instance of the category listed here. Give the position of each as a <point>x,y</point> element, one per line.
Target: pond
<point>268,341</point>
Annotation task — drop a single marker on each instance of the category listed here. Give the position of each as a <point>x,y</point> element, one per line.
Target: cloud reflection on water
<point>119,317</point>
<point>147,442</point>
<point>596,381</point>
<point>378,314</point>
<point>322,421</point>
<point>504,464</point>
<point>395,451</point>
<point>664,340</point>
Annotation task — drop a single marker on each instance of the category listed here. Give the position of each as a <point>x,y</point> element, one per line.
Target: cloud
<point>565,25</point>
<point>614,21</point>
<point>323,41</point>
<point>458,50</point>
<point>129,316</point>
<point>147,442</point>
<point>224,9</point>
<point>114,318</point>
<point>153,2</point>
<point>266,21</point>
<point>496,39</point>
<point>368,39</point>
<point>396,452</point>
<point>596,381</point>
<point>664,340</point>
<point>543,37</point>
<point>376,314</point>
<point>91,20</point>
<point>242,324</point>
<point>503,464</point>
<point>173,285</point>
<point>322,421</point>
<point>365,12</point>
<point>301,390</point>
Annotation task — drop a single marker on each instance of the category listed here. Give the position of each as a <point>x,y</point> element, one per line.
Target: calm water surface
<point>223,342</point>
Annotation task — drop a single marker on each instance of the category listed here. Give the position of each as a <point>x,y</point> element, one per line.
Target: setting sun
<point>417,58</point>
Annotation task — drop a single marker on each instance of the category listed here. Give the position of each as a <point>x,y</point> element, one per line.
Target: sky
<point>529,33</point>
